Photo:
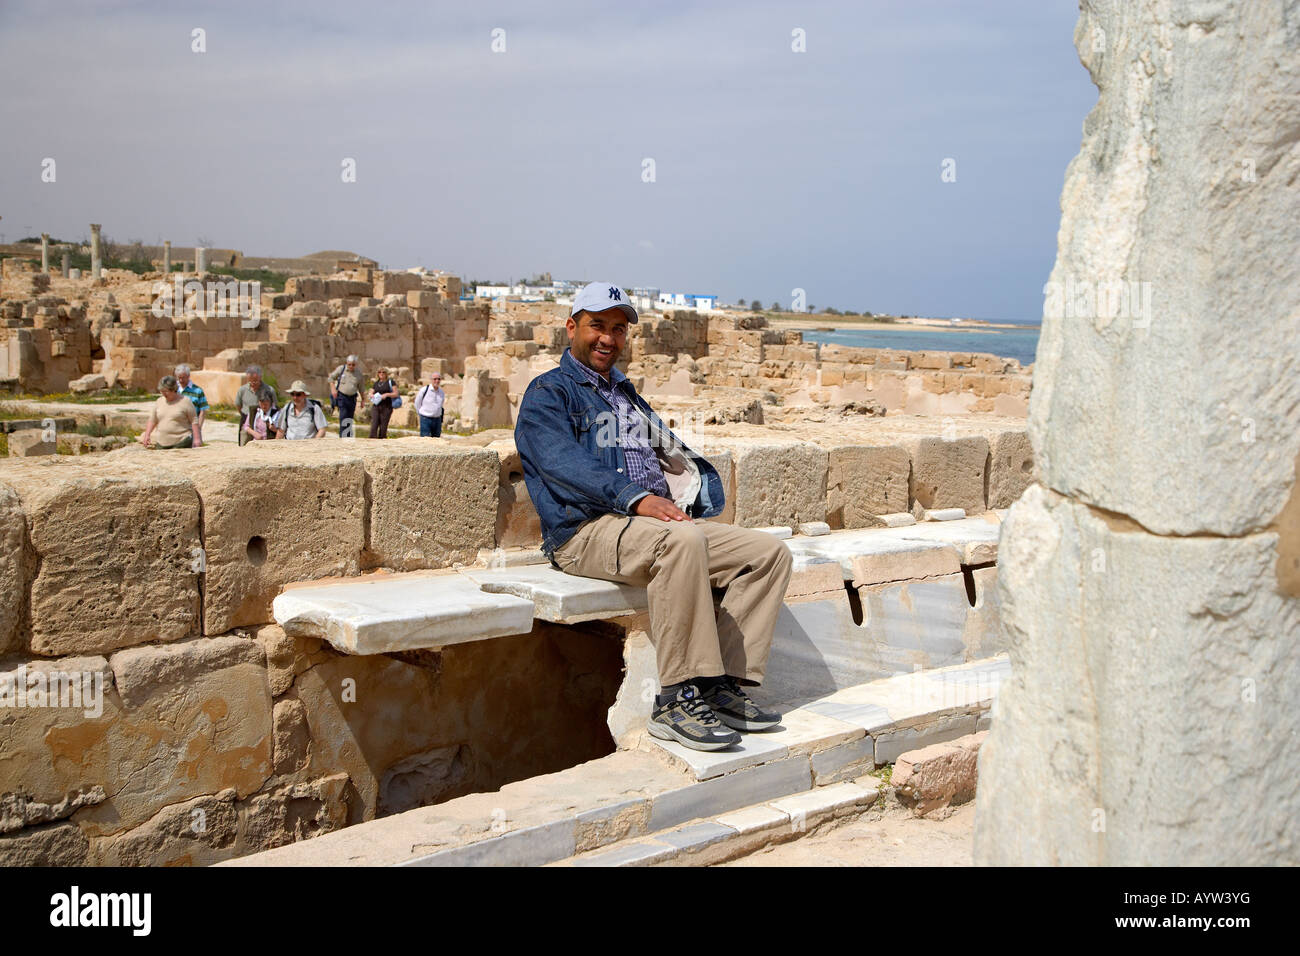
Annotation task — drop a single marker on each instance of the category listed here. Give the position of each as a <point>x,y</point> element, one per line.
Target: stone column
<point>200,260</point>
<point>65,263</point>
<point>1150,579</point>
<point>96,262</point>
<point>167,257</point>
<point>45,253</point>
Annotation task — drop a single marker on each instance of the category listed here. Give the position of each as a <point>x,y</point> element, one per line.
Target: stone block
<point>431,505</point>
<point>167,723</point>
<point>865,482</point>
<point>1011,467</point>
<point>13,570</point>
<point>114,549</point>
<point>779,484</point>
<point>814,528</point>
<point>61,845</point>
<point>1137,661</point>
<point>754,819</point>
<point>846,761</point>
<point>171,837</point>
<point>697,836</point>
<point>273,513</point>
<point>29,443</point>
<point>938,776</point>
<point>949,473</point>
<point>891,744</point>
<point>730,792</point>
<point>388,613</point>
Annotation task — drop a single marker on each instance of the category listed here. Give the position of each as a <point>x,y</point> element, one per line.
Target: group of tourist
<point>176,419</point>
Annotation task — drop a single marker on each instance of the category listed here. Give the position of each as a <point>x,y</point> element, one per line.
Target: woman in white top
<point>428,405</point>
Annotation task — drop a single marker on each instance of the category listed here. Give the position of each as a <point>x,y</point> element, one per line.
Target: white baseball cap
<point>599,296</point>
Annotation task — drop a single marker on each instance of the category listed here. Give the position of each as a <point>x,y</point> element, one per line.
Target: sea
<point>1020,342</point>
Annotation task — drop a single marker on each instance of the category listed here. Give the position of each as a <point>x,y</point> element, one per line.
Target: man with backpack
<point>302,417</point>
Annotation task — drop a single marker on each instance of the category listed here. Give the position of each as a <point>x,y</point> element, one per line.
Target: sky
<point>688,147</point>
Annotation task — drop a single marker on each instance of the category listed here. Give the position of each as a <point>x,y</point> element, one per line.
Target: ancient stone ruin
<point>1150,578</point>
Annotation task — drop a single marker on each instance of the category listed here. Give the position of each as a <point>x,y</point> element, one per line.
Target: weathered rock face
<point>1178,410</point>
<point>13,573</point>
<point>1148,590</point>
<point>111,557</point>
<point>429,506</point>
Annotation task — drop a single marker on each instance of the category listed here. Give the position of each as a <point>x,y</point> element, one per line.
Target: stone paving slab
<point>382,613</point>
<point>918,550</point>
<point>559,597</point>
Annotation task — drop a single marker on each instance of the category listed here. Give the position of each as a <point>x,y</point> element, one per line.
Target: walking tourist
<point>428,405</point>
<point>381,396</point>
<point>173,420</point>
<point>345,386</point>
<point>249,397</point>
<point>301,418</point>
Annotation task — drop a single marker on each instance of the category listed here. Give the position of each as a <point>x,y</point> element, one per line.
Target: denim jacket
<point>574,469</point>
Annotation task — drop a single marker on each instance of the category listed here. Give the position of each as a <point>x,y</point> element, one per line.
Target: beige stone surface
<point>273,513</point>
<point>430,504</point>
<point>287,657</point>
<point>939,776</point>
<point>777,482</point>
<point>174,722</point>
<point>865,482</point>
<point>1011,467</point>
<point>949,472</point>
<point>30,443</point>
<point>1189,373</point>
<point>60,845</point>
<point>13,569</point>
<point>1148,675</point>
<point>113,549</point>
<point>517,523</point>
<point>409,733</point>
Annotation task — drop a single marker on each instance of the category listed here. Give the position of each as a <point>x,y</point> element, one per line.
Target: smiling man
<point>619,497</point>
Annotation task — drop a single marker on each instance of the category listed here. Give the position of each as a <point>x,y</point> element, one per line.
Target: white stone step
<point>559,597</point>
<point>856,729</point>
<point>383,613</point>
<point>640,797</point>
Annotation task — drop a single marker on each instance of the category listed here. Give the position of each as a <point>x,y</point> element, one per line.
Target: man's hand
<point>653,506</point>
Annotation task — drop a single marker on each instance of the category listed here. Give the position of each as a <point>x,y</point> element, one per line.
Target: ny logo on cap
<point>615,294</point>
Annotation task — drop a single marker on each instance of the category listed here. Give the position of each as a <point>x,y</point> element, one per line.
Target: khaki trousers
<point>679,563</point>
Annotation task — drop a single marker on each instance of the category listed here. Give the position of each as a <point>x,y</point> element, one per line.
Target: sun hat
<point>299,386</point>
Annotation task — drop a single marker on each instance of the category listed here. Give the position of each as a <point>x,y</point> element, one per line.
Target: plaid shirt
<point>196,396</point>
<point>643,466</point>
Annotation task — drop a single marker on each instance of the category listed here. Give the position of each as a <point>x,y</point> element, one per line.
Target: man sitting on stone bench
<point>618,496</point>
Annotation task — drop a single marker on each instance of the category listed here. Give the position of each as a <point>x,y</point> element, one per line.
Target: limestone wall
<point>1151,580</point>
<point>149,576</point>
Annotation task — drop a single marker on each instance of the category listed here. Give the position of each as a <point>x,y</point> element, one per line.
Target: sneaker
<point>735,709</point>
<point>688,720</point>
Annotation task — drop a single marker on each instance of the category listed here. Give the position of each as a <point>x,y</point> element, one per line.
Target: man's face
<point>352,366</point>
<point>255,380</point>
<point>183,378</point>
<point>436,381</point>
<point>597,338</point>
<point>299,400</point>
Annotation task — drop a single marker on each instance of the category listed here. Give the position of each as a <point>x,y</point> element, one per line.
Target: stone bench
<point>861,605</point>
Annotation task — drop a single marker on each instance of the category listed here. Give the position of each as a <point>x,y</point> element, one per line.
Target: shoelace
<point>701,711</point>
